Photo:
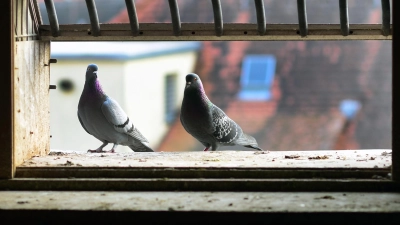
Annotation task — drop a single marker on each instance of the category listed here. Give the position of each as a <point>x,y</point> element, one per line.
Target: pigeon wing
<point>226,130</point>
<point>118,118</point>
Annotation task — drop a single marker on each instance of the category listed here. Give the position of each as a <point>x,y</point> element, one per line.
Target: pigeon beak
<point>188,84</point>
<point>95,72</point>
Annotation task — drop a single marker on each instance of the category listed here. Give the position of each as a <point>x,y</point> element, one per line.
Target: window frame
<point>7,130</point>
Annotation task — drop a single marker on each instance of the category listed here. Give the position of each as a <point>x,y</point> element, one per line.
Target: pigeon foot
<point>206,149</point>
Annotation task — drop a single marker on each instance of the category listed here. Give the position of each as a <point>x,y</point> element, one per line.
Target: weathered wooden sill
<point>313,187</point>
<point>366,159</point>
<point>362,164</point>
<point>106,207</point>
<point>350,170</point>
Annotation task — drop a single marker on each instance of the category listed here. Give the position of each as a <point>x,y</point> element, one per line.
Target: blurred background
<point>289,95</point>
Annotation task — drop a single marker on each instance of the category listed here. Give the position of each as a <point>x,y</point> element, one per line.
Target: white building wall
<point>138,85</point>
<point>145,91</point>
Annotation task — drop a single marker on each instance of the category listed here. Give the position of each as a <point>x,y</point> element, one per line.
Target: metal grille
<point>26,21</point>
<point>217,30</point>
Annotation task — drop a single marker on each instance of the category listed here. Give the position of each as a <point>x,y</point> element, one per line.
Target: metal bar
<point>94,19</point>
<point>396,95</point>
<point>24,16</point>
<point>26,35</point>
<point>35,5</point>
<point>302,14</point>
<point>261,21</point>
<point>18,23</point>
<point>206,32</point>
<point>176,21</point>
<point>133,20</point>
<point>51,13</point>
<point>344,17</point>
<point>385,17</point>
<point>219,24</point>
<point>35,16</point>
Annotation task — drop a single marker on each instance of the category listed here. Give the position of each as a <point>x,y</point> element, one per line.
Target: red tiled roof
<point>177,139</point>
<point>346,138</point>
<point>147,11</point>
<point>312,131</point>
<point>252,116</point>
<point>311,78</point>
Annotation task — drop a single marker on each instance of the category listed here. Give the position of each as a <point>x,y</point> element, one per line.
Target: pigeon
<point>102,117</point>
<point>208,123</point>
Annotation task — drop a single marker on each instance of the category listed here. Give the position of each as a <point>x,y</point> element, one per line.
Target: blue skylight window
<point>257,76</point>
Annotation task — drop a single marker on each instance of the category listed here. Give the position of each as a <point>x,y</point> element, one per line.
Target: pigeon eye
<point>195,78</point>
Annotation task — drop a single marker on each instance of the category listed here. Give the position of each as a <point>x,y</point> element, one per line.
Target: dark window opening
<point>170,97</point>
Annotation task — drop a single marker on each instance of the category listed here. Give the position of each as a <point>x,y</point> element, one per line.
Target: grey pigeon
<point>208,123</point>
<point>102,117</point>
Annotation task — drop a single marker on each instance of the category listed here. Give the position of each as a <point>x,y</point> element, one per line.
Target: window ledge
<point>374,158</point>
<point>46,207</point>
<point>350,170</point>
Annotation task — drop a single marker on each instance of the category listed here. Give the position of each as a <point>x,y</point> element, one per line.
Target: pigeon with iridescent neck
<point>208,123</point>
<point>102,117</point>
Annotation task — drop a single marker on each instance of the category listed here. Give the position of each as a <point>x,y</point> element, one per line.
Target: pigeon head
<point>92,84</point>
<point>91,72</point>
<point>194,88</point>
<point>193,82</point>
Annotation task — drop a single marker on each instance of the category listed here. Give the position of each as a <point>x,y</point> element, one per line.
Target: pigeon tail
<point>141,148</point>
<point>253,147</point>
<point>248,142</point>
